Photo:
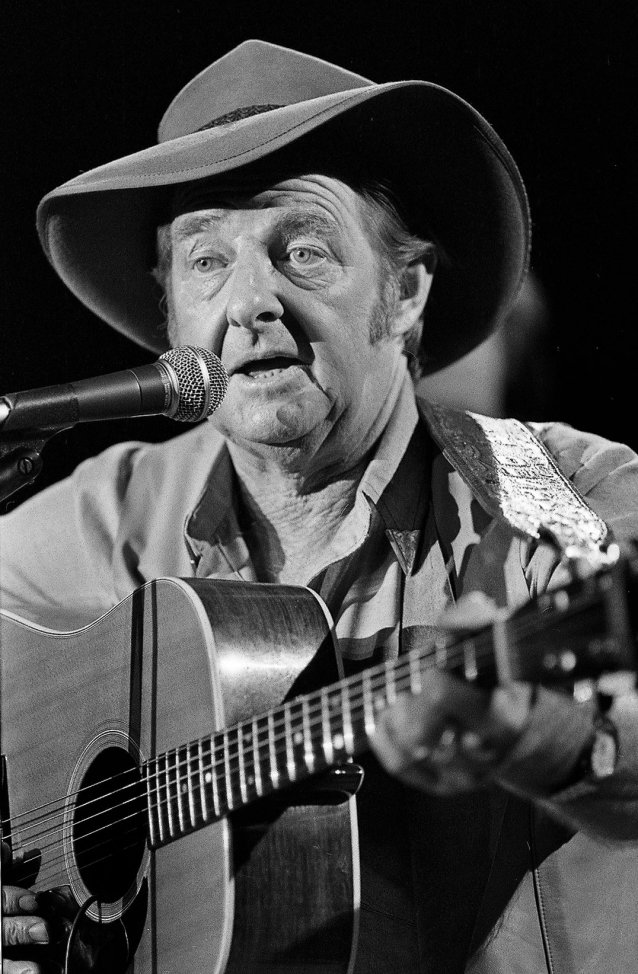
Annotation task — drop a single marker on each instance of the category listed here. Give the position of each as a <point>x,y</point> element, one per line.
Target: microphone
<point>186,383</point>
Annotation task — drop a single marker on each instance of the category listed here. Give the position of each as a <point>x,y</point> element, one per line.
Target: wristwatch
<point>600,758</point>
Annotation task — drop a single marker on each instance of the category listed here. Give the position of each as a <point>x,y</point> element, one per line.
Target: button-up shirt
<point>414,539</point>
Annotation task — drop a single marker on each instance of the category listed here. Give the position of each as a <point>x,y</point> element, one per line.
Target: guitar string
<point>47,808</point>
<point>279,752</point>
<point>421,655</point>
<point>400,673</point>
<point>381,670</point>
<point>418,655</point>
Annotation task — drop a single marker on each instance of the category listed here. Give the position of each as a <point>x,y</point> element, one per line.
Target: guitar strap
<point>515,478</point>
<point>517,481</point>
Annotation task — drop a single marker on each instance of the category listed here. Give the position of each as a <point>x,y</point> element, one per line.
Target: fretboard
<point>200,782</point>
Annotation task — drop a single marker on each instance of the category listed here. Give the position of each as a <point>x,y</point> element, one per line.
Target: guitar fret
<point>470,669</point>
<point>416,684</point>
<point>228,781</point>
<point>202,786</point>
<point>441,652</point>
<point>501,649</point>
<point>210,776</point>
<point>169,799</point>
<point>390,683</point>
<point>180,788</point>
<point>190,765</point>
<point>272,752</point>
<point>299,740</point>
<point>191,758</point>
<point>158,801</point>
<point>152,797</point>
<point>358,716</point>
<point>219,775</point>
<point>259,788</point>
<point>326,731</point>
<point>335,707</point>
<point>290,757</point>
<point>161,800</point>
<point>348,738</point>
<point>368,709</point>
<point>243,790</point>
<point>253,771</point>
<point>308,752</point>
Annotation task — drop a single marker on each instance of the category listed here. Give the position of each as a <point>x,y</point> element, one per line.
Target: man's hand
<point>22,926</point>
<point>36,928</point>
<point>452,737</point>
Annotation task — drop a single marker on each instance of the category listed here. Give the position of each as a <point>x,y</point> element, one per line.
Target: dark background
<point>85,82</point>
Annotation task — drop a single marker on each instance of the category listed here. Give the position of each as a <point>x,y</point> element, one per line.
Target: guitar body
<point>271,887</point>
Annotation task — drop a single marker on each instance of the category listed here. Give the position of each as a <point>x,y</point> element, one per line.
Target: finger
<point>15,899</point>
<point>22,967</point>
<point>406,732</point>
<point>497,716</point>
<point>472,611</point>
<point>477,751</point>
<point>451,735</point>
<point>510,708</point>
<point>24,930</point>
<point>443,701</point>
<point>433,769</point>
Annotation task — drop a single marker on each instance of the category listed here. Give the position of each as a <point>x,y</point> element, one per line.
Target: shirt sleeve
<point>606,475</point>
<point>56,549</point>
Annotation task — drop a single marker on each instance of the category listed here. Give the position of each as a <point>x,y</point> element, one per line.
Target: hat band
<point>236,115</point>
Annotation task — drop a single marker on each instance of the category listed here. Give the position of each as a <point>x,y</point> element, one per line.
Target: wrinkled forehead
<point>251,192</point>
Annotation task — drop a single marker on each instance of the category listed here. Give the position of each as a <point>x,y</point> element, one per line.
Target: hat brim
<point>454,177</point>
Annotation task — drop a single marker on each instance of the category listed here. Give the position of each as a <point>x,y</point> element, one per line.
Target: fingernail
<point>471,741</point>
<point>38,933</point>
<point>28,903</point>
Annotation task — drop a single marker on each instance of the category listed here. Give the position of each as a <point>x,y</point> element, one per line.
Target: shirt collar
<point>394,484</point>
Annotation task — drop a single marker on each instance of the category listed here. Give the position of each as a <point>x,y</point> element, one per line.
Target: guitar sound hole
<point>109,825</point>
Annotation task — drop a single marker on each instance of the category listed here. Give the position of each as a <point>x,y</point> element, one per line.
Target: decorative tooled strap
<point>515,478</point>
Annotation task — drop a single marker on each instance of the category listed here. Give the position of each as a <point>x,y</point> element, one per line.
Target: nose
<point>253,299</point>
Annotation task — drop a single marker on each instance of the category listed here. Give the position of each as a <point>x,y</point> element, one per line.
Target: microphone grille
<point>202,382</point>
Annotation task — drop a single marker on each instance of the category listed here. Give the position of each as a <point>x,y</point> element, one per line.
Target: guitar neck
<point>573,634</point>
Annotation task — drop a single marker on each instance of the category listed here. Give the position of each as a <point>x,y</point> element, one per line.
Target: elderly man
<point>329,239</point>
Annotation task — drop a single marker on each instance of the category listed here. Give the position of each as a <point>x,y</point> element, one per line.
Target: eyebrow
<point>197,223</point>
<point>288,225</point>
<point>307,221</point>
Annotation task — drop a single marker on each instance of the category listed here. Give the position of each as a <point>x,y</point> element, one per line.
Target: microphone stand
<point>20,464</point>
<point>20,452</point>
<point>21,459</point>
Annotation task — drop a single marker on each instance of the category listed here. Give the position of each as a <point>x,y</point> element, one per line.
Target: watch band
<point>600,758</point>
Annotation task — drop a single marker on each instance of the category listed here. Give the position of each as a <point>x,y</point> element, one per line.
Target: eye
<point>305,256</point>
<point>204,265</point>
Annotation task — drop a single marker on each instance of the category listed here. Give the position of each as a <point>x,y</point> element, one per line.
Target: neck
<point>289,525</point>
<point>295,498</point>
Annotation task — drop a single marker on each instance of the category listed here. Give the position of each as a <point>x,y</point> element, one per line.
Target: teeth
<point>269,368</point>
<point>265,373</point>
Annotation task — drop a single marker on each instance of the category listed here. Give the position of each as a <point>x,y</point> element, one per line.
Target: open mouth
<point>269,367</point>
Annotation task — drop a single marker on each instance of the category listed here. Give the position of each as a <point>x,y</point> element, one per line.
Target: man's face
<point>284,286</point>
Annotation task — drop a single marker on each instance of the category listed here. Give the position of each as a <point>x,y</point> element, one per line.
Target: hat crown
<point>254,74</point>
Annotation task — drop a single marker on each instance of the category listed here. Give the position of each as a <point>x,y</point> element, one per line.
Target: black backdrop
<point>84,82</point>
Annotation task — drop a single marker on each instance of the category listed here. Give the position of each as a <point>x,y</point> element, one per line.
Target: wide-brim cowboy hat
<point>263,104</point>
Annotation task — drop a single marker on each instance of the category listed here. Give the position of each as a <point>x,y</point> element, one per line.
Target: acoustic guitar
<point>184,764</point>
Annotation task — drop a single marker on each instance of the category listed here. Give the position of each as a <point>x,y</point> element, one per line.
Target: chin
<point>275,425</point>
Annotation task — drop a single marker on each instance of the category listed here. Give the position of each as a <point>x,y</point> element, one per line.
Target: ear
<point>416,282</point>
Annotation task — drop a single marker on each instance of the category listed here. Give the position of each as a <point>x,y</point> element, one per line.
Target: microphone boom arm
<point>21,459</point>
